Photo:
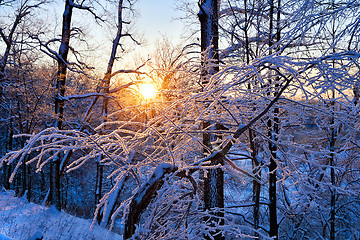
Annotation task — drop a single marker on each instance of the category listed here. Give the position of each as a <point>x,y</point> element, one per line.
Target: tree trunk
<point>333,140</point>
<point>62,68</point>
<point>7,167</point>
<point>256,165</point>
<point>143,197</point>
<point>59,98</point>
<point>333,200</point>
<point>7,173</point>
<point>24,177</point>
<point>273,127</point>
<point>214,182</point>
<point>99,180</point>
<point>107,77</point>
<point>106,88</point>
<point>42,185</point>
<point>111,202</point>
<point>272,191</point>
<point>356,92</point>
<point>29,183</point>
<point>332,170</point>
<point>213,185</point>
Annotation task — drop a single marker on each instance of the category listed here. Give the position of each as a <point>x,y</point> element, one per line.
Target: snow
<point>3,237</point>
<point>162,168</point>
<point>20,219</point>
<point>109,201</point>
<point>37,235</point>
<point>158,173</point>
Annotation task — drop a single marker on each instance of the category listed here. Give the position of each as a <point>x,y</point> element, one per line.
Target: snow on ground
<point>3,237</point>
<point>21,220</point>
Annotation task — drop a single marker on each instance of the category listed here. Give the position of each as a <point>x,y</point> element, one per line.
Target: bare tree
<point>14,74</point>
<point>277,76</point>
<point>24,9</point>
<point>63,64</point>
<point>105,88</point>
<point>214,182</point>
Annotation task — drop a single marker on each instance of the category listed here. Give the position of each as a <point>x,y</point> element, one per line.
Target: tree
<point>24,9</point>
<point>105,87</point>
<point>15,68</point>
<point>63,64</point>
<point>214,182</point>
<point>265,107</point>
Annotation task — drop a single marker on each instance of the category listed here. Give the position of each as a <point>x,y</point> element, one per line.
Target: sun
<point>147,90</point>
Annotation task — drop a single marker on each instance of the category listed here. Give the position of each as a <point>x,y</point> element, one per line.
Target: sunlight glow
<point>147,90</point>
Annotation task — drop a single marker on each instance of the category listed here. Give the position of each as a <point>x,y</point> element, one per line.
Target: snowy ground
<point>22,220</point>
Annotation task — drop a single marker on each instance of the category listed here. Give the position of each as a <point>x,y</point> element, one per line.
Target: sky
<point>158,17</point>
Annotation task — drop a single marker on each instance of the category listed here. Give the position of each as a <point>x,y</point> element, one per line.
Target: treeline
<point>253,133</point>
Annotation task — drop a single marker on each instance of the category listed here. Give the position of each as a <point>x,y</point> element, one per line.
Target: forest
<point>245,128</point>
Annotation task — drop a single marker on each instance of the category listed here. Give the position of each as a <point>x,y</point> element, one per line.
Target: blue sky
<point>157,17</point>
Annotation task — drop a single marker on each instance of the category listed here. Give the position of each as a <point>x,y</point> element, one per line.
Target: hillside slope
<point>21,220</point>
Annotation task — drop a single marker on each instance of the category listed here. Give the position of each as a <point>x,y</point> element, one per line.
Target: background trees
<point>280,108</point>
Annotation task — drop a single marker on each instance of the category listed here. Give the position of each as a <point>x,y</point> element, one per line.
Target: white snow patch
<point>22,220</point>
<point>3,237</point>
